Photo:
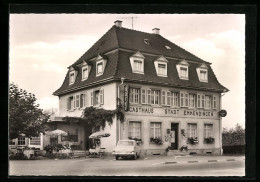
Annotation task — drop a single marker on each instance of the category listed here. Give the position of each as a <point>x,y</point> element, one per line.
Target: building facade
<point>171,98</point>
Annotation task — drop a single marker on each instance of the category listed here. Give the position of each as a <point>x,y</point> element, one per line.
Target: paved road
<point>145,166</point>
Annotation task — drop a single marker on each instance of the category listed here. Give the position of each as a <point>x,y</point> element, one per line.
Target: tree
<point>233,136</point>
<point>25,116</point>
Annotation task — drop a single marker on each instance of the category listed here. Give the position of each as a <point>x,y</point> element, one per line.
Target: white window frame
<point>208,130</point>
<point>214,102</point>
<point>208,101</point>
<point>161,61</point>
<point>85,76</point>
<point>153,127</point>
<point>137,57</point>
<point>135,95</point>
<point>183,65</point>
<point>102,70</point>
<point>175,98</point>
<point>134,129</point>
<point>72,80</point>
<point>70,103</point>
<point>192,100</point>
<point>203,68</point>
<point>163,98</point>
<point>192,130</point>
<point>168,98</point>
<point>82,100</point>
<point>97,100</point>
<point>154,97</point>
<point>184,99</point>
<point>143,96</point>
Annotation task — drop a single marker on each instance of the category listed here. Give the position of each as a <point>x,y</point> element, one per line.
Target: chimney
<point>156,31</point>
<point>118,23</point>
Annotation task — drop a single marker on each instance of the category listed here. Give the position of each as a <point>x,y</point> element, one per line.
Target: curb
<point>174,162</point>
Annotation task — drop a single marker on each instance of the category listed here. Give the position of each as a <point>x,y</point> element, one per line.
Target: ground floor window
<point>134,130</point>
<point>208,130</point>
<point>21,140</point>
<point>192,130</point>
<point>155,130</point>
<point>35,141</point>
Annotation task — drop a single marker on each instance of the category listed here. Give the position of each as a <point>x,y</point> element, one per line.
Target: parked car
<point>127,148</point>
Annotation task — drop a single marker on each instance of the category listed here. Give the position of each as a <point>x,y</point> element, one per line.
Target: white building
<point>168,94</point>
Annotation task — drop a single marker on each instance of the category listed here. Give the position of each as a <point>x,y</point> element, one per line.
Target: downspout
<point>118,96</point>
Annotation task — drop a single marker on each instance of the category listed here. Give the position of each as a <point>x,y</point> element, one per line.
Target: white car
<point>127,148</point>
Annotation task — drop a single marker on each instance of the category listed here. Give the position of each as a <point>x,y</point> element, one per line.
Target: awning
<point>99,134</point>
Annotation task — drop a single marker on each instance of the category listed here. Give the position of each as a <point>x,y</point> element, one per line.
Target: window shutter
<point>91,99</point>
<point>163,98</point>
<point>203,102</point>
<point>101,95</point>
<point>68,103</point>
<point>81,100</point>
<point>74,102</point>
<point>143,96</point>
<point>149,96</point>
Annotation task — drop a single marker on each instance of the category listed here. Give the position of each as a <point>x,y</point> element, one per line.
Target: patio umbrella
<point>99,134</point>
<point>57,132</point>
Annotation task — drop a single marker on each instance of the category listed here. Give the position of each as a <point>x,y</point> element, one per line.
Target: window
<point>72,78</point>
<point>21,140</point>
<point>70,103</point>
<point>99,68</point>
<point>208,130</point>
<point>143,96</point>
<point>84,73</point>
<point>199,101</point>
<point>138,65</point>
<point>77,101</point>
<point>97,97</point>
<point>169,98</point>
<point>183,72</point>
<point>134,130</point>
<point>160,65</point>
<point>214,102</point>
<point>35,141</point>
<point>163,97</point>
<point>149,96</point>
<point>192,100</point>
<point>203,76</point>
<point>82,100</point>
<point>155,130</point>
<point>175,99</point>
<point>167,47</point>
<point>155,97</point>
<point>147,41</point>
<point>203,101</point>
<point>184,97</point>
<point>207,102</point>
<point>162,69</point>
<point>202,72</point>
<point>192,130</point>
<point>135,95</point>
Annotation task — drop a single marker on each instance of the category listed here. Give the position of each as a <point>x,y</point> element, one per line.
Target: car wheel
<point>135,157</point>
<point>116,157</point>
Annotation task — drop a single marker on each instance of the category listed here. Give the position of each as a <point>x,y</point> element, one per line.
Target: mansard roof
<point>117,45</point>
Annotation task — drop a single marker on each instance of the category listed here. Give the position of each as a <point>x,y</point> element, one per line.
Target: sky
<point>42,46</point>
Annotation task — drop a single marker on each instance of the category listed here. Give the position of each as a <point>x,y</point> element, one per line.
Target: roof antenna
<point>132,19</point>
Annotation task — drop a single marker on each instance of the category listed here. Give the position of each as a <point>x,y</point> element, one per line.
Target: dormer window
<point>161,66</point>
<point>72,78</point>
<point>85,73</point>
<point>183,70</point>
<point>72,75</point>
<point>146,41</point>
<point>167,47</point>
<point>100,65</point>
<point>137,63</point>
<point>202,72</point>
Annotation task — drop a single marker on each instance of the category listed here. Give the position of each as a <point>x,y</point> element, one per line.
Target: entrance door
<point>174,136</point>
